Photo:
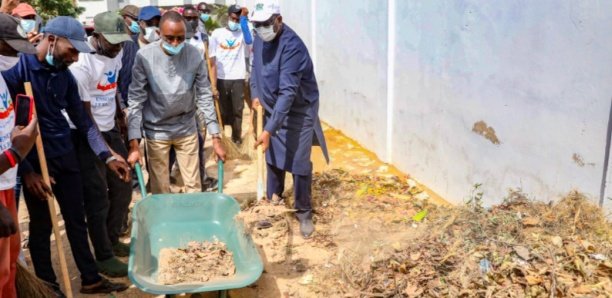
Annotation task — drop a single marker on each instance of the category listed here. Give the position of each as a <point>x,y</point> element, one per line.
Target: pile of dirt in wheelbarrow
<point>196,263</point>
<point>391,243</point>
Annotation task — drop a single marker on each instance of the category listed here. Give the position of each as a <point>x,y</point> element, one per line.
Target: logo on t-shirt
<point>111,81</point>
<point>7,105</point>
<point>230,44</point>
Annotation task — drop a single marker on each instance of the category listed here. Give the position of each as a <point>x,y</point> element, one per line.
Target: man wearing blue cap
<point>55,89</point>
<point>148,19</point>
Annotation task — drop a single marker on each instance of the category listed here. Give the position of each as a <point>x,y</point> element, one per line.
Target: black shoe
<point>55,288</point>
<point>210,184</point>
<point>104,287</point>
<point>306,228</point>
<point>238,142</point>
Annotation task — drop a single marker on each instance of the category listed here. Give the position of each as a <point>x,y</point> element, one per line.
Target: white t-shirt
<point>7,123</point>
<point>8,179</point>
<point>230,51</point>
<point>97,78</point>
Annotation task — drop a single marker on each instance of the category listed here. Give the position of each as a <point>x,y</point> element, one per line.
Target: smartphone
<point>24,109</point>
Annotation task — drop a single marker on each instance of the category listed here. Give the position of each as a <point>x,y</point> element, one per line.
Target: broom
<point>249,140</point>
<point>51,203</point>
<point>231,150</point>
<point>28,285</point>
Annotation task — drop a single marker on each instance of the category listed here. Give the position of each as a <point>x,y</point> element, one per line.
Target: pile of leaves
<point>198,262</point>
<point>521,248</point>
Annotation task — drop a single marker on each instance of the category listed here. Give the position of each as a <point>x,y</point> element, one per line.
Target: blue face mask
<point>173,50</point>
<point>204,17</point>
<point>134,27</point>
<point>28,25</point>
<point>49,56</point>
<point>233,26</point>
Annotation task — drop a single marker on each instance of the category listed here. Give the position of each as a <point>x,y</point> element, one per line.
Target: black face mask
<point>101,50</point>
<point>193,24</point>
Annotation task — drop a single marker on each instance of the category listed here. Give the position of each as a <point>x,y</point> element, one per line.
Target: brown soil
<point>197,263</point>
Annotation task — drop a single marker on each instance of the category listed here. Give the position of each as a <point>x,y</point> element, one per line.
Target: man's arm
<point>84,123</point>
<point>137,96</point>
<point>291,66</point>
<point>204,100</point>
<point>212,57</point>
<point>244,25</point>
<point>206,105</point>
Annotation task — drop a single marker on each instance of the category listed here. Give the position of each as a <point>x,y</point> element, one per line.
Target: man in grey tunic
<point>168,75</point>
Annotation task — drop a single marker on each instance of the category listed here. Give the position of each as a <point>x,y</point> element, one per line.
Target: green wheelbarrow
<point>172,220</point>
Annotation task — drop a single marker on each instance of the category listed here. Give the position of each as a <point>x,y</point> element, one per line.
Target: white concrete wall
<point>538,72</point>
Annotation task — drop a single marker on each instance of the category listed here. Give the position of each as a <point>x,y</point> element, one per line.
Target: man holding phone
<point>55,89</point>
<point>14,143</point>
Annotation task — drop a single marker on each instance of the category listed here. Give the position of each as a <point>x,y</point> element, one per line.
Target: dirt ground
<point>379,233</point>
<point>289,260</point>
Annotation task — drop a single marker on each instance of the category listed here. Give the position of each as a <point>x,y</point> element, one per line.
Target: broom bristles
<point>231,150</point>
<point>247,146</point>
<point>28,285</point>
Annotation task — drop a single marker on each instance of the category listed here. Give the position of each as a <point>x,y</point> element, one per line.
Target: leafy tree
<point>49,9</point>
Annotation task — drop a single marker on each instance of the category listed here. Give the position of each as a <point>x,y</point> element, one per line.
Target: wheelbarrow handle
<point>220,173</point>
<point>143,189</point>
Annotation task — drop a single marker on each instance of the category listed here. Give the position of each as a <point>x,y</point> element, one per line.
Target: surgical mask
<point>233,26</point>
<point>204,17</point>
<point>52,61</point>
<point>134,28</point>
<point>28,25</point>
<point>151,34</point>
<point>266,33</point>
<point>173,50</point>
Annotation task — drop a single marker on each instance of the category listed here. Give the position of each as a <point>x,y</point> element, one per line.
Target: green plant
<point>475,200</point>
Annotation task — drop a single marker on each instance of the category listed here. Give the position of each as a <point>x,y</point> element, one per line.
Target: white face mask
<point>151,34</point>
<point>7,62</point>
<point>266,33</point>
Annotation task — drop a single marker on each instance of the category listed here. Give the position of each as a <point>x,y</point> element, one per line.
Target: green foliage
<point>49,9</point>
<point>475,200</point>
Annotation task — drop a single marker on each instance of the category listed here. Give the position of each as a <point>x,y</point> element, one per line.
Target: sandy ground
<point>289,260</point>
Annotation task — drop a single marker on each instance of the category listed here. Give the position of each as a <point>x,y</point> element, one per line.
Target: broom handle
<point>51,202</point>
<point>260,157</point>
<point>213,84</point>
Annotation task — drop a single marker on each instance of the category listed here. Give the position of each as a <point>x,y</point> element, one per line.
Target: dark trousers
<point>107,198</point>
<point>231,101</point>
<point>302,190</point>
<point>68,190</point>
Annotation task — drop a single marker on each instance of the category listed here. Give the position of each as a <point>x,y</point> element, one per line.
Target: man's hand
<point>23,138</point>
<point>215,93</point>
<point>218,148</point>
<point>8,6</point>
<point>7,223</point>
<point>255,102</point>
<point>263,140</point>
<point>120,168</point>
<point>34,37</point>
<point>37,186</point>
<point>134,155</point>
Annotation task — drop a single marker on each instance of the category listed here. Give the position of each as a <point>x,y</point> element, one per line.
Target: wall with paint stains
<point>510,94</point>
<point>534,76</point>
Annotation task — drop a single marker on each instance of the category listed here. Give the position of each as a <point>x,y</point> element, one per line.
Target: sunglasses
<point>267,23</point>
